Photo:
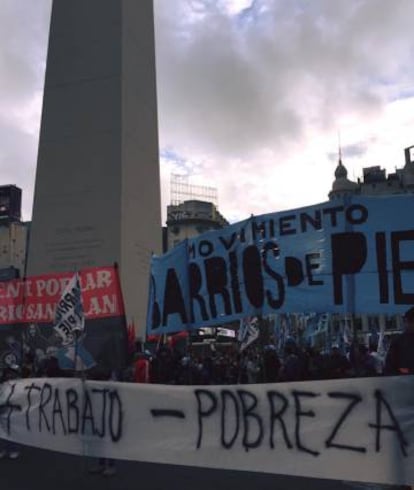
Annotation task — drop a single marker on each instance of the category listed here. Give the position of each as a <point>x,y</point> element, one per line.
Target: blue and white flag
<point>248,332</point>
<point>70,325</point>
<point>69,316</point>
<point>75,356</point>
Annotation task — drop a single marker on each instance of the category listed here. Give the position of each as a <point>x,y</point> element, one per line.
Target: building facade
<point>375,181</point>
<point>13,234</point>
<point>191,218</point>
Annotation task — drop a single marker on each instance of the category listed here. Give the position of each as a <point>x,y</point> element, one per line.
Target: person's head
<point>32,330</point>
<point>363,349</point>
<point>29,358</point>
<point>409,319</point>
<point>335,350</point>
<point>9,359</point>
<point>290,346</point>
<point>11,372</point>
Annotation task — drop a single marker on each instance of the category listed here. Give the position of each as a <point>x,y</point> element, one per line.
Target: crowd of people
<point>183,365</point>
<point>257,364</point>
<point>264,364</point>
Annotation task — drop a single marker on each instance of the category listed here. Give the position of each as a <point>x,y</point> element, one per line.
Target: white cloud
<point>235,7</point>
<point>260,99</point>
<point>23,42</point>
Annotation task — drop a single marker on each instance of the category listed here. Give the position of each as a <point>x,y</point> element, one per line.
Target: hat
<point>409,314</point>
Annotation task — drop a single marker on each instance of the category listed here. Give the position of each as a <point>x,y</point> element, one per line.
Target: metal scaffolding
<point>182,190</point>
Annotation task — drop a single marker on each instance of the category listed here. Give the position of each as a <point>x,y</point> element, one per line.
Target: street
<point>40,469</point>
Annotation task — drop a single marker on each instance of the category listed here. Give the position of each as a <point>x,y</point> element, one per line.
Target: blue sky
<point>251,95</point>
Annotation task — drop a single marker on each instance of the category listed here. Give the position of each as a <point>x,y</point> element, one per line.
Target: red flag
<point>173,339</point>
<point>153,338</point>
<point>131,338</point>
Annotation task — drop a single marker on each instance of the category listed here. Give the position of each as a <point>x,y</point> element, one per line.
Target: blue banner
<point>344,256</point>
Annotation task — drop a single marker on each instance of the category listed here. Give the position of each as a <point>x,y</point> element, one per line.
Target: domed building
<point>375,181</point>
<point>342,186</point>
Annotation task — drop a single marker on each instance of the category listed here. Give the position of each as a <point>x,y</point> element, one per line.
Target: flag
<point>248,331</point>
<point>69,315</point>
<point>75,356</point>
<point>382,346</point>
<point>69,325</point>
<point>226,332</point>
<point>131,337</point>
<point>177,339</point>
<point>346,333</point>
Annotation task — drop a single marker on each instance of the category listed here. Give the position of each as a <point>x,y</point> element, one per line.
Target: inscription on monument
<point>74,247</point>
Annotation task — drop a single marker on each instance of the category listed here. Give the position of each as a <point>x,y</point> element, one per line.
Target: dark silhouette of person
<point>400,355</point>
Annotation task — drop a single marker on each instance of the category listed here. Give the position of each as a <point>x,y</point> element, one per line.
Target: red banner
<point>33,300</point>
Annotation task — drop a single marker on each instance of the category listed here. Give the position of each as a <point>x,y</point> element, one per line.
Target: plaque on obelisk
<point>97,193</point>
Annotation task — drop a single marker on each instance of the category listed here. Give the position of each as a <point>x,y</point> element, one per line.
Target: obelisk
<point>97,192</point>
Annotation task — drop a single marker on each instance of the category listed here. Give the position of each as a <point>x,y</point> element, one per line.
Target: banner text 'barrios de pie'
<point>343,256</point>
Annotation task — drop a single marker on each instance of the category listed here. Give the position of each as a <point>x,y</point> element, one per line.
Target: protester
<point>365,363</point>
<point>377,360</point>
<point>271,364</point>
<point>316,364</point>
<point>252,369</point>
<point>337,365</point>
<point>28,366</point>
<point>293,366</point>
<point>52,369</point>
<point>141,368</point>
<point>104,466</point>
<point>9,449</point>
<point>400,355</point>
<point>164,369</point>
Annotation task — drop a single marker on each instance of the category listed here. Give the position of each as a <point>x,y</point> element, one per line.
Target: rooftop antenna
<point>339,148</point>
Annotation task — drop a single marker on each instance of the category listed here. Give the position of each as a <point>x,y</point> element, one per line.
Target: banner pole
<point>75,360</point>
<point>350,282</point>
<point>118,280</point>
<point>23,326</point>
<point>151,296</point>
<point>78,332</point>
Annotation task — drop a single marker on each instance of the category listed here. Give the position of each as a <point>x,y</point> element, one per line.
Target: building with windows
<point>191,218</point>
<point>13,234</point>
<point>193,210</point>
<point>375,181</point>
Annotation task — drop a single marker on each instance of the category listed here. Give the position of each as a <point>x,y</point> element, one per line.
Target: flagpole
<point>75,362</point>
<point>22,337</point>
<point>118,279</point>
<point>70,323</point>
<point>77,335</point>
<point>262,347</point>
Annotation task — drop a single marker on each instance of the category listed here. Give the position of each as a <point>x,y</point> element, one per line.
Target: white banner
<point>248,332</point>
<point>69,318</point>
<point>352,429</point>
<point>226,332</point>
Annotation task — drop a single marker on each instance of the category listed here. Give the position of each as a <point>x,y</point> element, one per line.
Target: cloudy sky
<point>251,94</point>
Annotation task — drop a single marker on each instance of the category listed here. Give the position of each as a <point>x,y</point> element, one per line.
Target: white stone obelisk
<point>97,193</point>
